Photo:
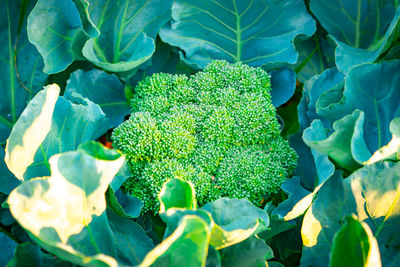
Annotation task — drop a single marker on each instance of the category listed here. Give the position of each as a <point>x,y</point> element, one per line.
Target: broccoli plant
<point>217,129</point>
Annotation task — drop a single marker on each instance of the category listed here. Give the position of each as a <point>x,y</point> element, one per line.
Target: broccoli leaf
<point>372,194</point>
<point>345,145</point>
<point>55,28</point>
<point>130,26</point>
<point>109,93</point>
<point>186,246</point>
<point>49,125</point>
<point>253,32</point>
<point>20,63</point>
<point>362,30</point>
<point>65,213</point>
<point>355,245</point>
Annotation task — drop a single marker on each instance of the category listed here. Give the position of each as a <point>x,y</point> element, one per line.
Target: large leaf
<point>361,29</point>
<point>124,205</point>
<point>346,145</point>
<point>7,180</point>
<point>21,66</point>
<point>132,243</point>
<point>103,89</point>
<point>177,193</point>
<point>65,213</point>
<point>313,167</point>
<point>29,254</point>
<point>49,125</point>
<point>330,80</point>
<point>235,220</point>
<point>372,193</point>
<point>55,28</point>
<point>315,55</point>
<point>7,247</point>
<point>230,220</point>
<point>250,252</point>
<point>392,149</point>
<point>355,245</point>
<point>283,83</point>
<point>187,246</point>
<point>253,32</point>
<point>128,30</point>
<point>30,131</point>
<point>372,88</point>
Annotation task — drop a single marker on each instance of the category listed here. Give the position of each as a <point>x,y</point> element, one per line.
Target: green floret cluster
<point>217,129</point>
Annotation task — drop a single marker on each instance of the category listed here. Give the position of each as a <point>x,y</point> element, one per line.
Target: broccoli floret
<point>217,129</point>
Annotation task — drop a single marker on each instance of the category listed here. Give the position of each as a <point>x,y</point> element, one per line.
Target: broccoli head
<point>217,129</point>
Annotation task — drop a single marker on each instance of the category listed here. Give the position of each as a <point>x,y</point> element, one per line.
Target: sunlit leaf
<point>65,213</point>
<point>187,246</point>
<point>355,245</point>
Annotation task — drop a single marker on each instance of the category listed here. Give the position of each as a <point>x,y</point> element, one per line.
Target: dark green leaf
<point>7,247</point>
<point>21,66</point>
<point>187,246</point>
<point>354,245</point>
<point>250,252</point>
<point>132,243</point>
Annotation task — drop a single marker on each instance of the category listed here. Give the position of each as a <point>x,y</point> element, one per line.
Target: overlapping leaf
<point>362,30</point>
<point>253,32</point>
<point>372,194</point>
<point>128,31</point>
<point>21,65</point>
<point>49,125</point>
<point>55,28</point>
<point>355,245</point>
<point>65,213</point>
<point>103,89</point>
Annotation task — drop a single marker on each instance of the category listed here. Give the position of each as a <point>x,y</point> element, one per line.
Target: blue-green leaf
<point>372,88</point>
<point>7,247</point>
<point>253,32</point>
<point>315,55</point>
<point>103,89</point>
<point>132,243</point>
<point>29,253</point>
<point>392,149</point>
<point>55,28</point>
<point>128,31</point>
<point>372,193</point>
<point>21,66</point>
<point>329,80</point>
<point>346,145</point>
<point>7,180</point>
<point>283,83</point>
<point>250,252</point>
<point>362,30</point>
